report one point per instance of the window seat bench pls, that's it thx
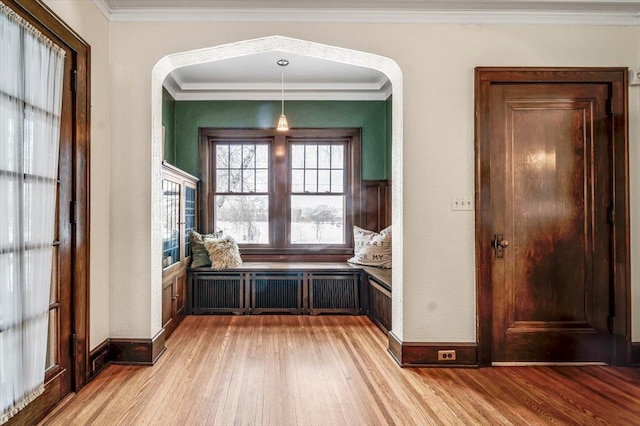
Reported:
(378, 296)
(286, 287)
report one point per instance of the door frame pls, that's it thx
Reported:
(616, 78)
(40, 16)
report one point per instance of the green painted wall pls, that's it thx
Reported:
(168, 121)
(389, 120)
(371, 116)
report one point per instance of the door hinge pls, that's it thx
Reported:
(610, 320)
(611, 216)
(610, 107)
(74, 81)
(73, 212)
(72, 345)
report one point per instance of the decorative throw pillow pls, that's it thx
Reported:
(372, 248)
(223, 252)
(199, 254)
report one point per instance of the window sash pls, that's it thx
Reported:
(280, 190)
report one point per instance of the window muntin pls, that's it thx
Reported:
(189, 218)
(242, 197)
(334, 174)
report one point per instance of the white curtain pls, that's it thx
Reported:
(31, 76)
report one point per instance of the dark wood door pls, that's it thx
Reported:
(67, 346)
(548, 215)
(59, 361)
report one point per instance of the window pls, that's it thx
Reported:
(282, 194)
(241, 202)
(317, 197)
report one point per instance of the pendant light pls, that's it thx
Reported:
(283, 126)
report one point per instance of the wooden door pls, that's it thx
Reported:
(547, 219)
(60, 350)
(67, 346)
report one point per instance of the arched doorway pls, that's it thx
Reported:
(300, 47)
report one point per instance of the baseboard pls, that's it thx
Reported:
(98, 359)
(419, 354)
(137, 351)
(635, 354)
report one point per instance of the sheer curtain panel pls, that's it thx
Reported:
(31, 78)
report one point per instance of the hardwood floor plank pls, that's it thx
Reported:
(335, 370)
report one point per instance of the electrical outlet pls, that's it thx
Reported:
(448, 355)
(461, 203)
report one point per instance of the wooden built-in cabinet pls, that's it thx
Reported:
(179, 217)
(378, 296)
(292, 287)
(272, 287)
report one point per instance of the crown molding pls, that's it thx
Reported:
(103, 8)
(256, 91)
(171, 86)
(276, 87)
(307, 95)
(387, 90)
(559, 17)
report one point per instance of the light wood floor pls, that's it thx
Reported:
(335, 370)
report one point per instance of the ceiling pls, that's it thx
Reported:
(258, 77)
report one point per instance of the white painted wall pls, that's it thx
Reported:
(437, 62)
(93, 27)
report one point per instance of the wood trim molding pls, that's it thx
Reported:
(279, 247)
(137, 351)
(423, 354)
(635, 354)
(376, 204)
(127, 352)
(98, 359)
(75, 129)
(617, 78)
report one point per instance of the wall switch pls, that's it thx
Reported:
(461, 203)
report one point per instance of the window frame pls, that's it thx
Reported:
(280, 248)
(347, 191)
(270, 186)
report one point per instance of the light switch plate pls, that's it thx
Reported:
(461, 203)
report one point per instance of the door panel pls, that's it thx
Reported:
(550, 182)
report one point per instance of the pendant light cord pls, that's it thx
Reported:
(282, 89)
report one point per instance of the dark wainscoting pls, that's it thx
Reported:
(126, 351)
(635, 354)
(137, 351)
(98, 359)
(412, 354)
(376, 200)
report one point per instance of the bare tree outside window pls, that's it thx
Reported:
(241, 203)
(317, 193)
(282, 195)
